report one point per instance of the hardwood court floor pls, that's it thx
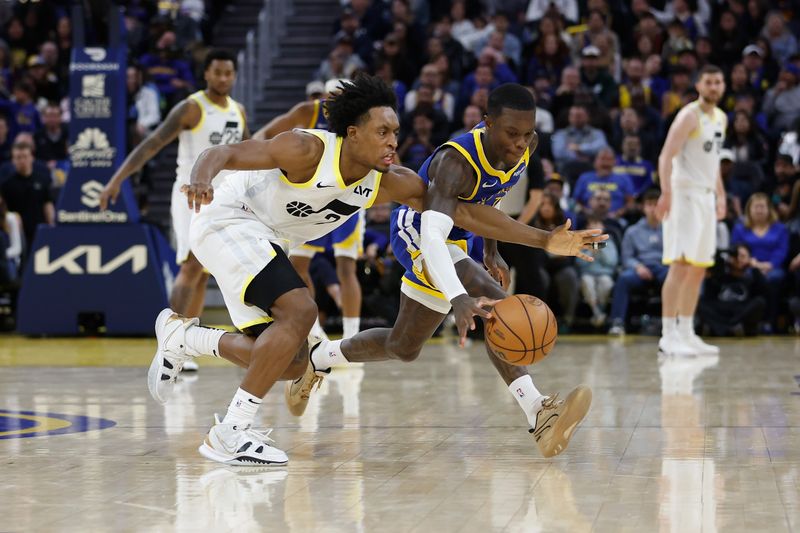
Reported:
(434, 446)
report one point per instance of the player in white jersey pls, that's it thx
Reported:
(346, 241)
(692, 200)
(315, 181)
(204, 119)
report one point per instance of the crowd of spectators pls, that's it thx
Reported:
(609, 77)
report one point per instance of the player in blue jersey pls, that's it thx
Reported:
(346, 241)
(480, 167)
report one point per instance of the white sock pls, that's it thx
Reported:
(328, 354)
(201, 340)
(528, 397)
(243, 408)
(317, 331)
(669, 325)
(686, 325)
(350, 326)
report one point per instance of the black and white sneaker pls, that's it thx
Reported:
(241, 446)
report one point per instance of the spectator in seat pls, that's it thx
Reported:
(597, 277)
(51, 141)
(630, 162)
(733, 300)
(28, 192)
(5, 141)
(579, 142)
(171, 74)
(144, 109)
(418, 146)
(642, 248)
(782, 102)
(781, 40)
(564, 98)
(470, 118)
(744, 139)
(768, 240)
(432, 77)
(599, 208)
(556, 274)
(549, 59)
(597, 79)
(425, 104)
(634, 82)
(603, 177)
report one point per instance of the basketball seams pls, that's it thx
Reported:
(497, 316)
(508, 354)
(530, 322)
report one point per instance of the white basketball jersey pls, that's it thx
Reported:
(301, 212)
(217, 125)
(697, 164)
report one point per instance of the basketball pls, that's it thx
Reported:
(522, 330)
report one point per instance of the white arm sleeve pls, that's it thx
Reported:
(439, 265)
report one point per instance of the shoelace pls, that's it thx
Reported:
(551, 402)
(259, 434)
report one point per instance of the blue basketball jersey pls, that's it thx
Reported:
(492, 184)
(318, 120)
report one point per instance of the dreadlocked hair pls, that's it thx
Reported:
(352, 104)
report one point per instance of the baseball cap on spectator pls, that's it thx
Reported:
(590, 51)
(752, 49)
(315, 88)
(334, 85)
(555, 178)
(726, 154)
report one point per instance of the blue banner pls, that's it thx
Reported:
(96, 137)
(121, 272)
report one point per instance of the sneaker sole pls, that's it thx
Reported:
(210, 453)
(157, 366)
(578, 403)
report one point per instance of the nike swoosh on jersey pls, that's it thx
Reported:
(487, 185)
(321, 186)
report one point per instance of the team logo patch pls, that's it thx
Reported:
(707, 146)
(25, 424)
(337, 209)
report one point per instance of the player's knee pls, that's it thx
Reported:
(304, 313)
(403, 350)
(345, 267)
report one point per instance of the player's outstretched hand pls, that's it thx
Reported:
(198, 194)
(565, 242)
(109, 194)
(465, 308)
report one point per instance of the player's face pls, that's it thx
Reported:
(510, 133)
(711, 87)
(220, 76)
(377, 138)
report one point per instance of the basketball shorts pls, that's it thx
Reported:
(405, 239)
(345, 241)
(235, 247)
(690, 229)
(182, 217)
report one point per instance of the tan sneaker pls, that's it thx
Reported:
(298, 392)
(557, 420)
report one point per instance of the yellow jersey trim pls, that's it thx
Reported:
(375, 191)
(468, 157)
(318, 249)
(306, 184)
(427, 290)
(314, 115)
(250, 324)
(704, 264)
(487, 167)
(200, 122)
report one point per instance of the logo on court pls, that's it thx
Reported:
(25, 424)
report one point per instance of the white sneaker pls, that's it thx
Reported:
(170, 355)
(674, 344)
(240, 446)
(700, 346)
(190, 366)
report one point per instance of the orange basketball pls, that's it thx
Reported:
(522, 330)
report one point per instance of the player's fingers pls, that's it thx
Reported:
(103, 201)
(461, 325)
(506, 278)
(184, 188)
(585, 257)
(484, 301)
(567, 224)
(481, 312)
(190, 198)
(209, 196)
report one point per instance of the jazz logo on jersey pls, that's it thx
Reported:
(339, 209)
(229, 135)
